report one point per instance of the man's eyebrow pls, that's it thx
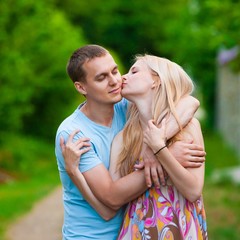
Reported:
(115, 67)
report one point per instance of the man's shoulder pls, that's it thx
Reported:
(70, 123)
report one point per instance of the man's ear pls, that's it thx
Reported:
(80, 88)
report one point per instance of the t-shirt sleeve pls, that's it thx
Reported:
(88, 160)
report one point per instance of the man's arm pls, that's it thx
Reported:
(188, 153)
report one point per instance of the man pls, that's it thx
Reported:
(95, 75)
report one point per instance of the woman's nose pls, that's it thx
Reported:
(124, 78)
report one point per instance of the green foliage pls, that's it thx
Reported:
(128, 27)
(37, 38)
(201, 29)
(21, 154)
(36, 43)
(188, 32)
(219, 154)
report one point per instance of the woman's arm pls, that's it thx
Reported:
(105, 212)
(185, 109)
(113, 194)
(189, 181)
(117, 191)
(188, 155)
(79, 180)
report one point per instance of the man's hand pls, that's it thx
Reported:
(72, 151)
(153, 169)
(188, 154)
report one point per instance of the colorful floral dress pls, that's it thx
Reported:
(164, 214)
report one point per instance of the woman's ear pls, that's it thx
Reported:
(153, 84)
(156, 82)
(80, 88)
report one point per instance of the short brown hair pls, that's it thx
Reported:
(79, 57)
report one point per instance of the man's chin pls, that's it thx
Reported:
(123, 94)
(118, 99)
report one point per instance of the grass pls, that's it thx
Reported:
(223, 210)
(32, 164)
(221, 198)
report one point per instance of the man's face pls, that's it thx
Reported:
(103, 80)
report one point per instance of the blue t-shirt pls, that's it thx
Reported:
(81, 221)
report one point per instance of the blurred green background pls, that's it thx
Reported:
(36, 40)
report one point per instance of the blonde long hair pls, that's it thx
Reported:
(172, 83)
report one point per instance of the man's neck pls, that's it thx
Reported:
(101, 115)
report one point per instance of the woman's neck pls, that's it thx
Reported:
(145, 111)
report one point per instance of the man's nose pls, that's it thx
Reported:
(113, 79)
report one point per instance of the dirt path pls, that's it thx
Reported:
(44, 222)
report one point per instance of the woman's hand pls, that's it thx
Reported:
(72, 151)
(155, 137)
(154, 172)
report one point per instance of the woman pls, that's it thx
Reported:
(175, 211)
(154, 86)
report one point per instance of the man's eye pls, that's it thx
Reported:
(101, 78)
(115, 72)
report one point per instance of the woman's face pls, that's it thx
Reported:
(138, 81)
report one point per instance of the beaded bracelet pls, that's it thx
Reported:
(160, 150)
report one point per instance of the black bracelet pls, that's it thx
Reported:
(160, 150)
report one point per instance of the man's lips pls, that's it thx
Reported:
(116, 90)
